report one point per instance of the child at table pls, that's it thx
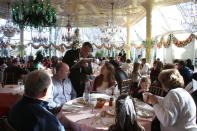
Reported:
(144, 86)
(126, 118)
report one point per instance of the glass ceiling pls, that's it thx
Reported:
(165, 20)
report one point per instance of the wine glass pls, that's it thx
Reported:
(20, 86)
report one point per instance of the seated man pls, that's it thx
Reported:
(62, 90)
(30, 113)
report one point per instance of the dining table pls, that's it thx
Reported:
(88, 118)
(9, 95)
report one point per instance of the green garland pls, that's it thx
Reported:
(34, 13)
(173, 39)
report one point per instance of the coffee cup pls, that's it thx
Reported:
(145, 96)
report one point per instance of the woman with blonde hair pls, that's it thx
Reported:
(177, 110)
(144, 86)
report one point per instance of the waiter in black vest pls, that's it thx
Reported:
(80, 66)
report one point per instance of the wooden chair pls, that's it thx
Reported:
(9, 78)
(125, 86)
(4, 125)
(7, 100)
(157, 91)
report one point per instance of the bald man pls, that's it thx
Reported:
(62, 90)
(31, 112)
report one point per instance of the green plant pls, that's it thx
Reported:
(100, 53)
(34, 13)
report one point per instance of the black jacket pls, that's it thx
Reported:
(78, 75)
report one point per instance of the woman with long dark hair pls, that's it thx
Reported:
(135, 75)
(126, 119)
(106, 79)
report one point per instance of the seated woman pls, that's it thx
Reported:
(106, 80)
(135, 75)
(144, 86)
(177, 110)
(126, 119)
(154, 73)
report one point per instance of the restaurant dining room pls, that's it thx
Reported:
(98, 65)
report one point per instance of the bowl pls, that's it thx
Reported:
(100, 103)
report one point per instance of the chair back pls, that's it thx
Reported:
(7, 100)
(125, 86)
(157, 91)
(9, 78)
(4, 125)
(120, 75)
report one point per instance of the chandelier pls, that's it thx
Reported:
(108, 32)
(68, 37)
(34, 13)
(9, 30)
(74, 39)
(189, 12)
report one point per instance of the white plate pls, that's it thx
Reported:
(145, 113)
(70, 108)
(99, 95)
(87, 59)
(80, 101)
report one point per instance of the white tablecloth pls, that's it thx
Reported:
(13, 89)
(92, 121)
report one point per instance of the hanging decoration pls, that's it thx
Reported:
(172, 39)
(109, 31)
(109, 47)
(39, 39)
(67, 37)
(72, 40)
(34, 13)
(9, 29)
(60, 47)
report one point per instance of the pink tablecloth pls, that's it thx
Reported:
(92, 121)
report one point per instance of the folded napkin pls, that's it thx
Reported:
(74, 117)
(98, 122)
(142, 105)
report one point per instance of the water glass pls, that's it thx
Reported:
(145, 96)
(92, 104)
(86, 97)
(20, 82)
